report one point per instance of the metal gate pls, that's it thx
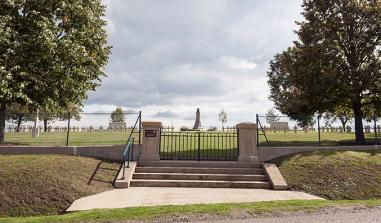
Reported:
(199, 145)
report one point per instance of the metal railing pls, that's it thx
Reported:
(199, 145)
(128, 154)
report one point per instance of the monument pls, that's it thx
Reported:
(197, 123)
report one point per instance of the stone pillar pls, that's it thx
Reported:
(247, 139)
(150, 141)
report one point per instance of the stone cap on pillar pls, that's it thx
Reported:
(246, 125)
(152, 124)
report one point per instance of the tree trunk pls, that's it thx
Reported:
(45, 125)
(359, 131)
(2, 123)
(343, 123)
(19, 121)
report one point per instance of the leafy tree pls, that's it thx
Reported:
(117, 115)
(223, 117)
(51, 53)
(59, 114)
(336, 60)
(341, 113)
(18, 114)
(271, 116)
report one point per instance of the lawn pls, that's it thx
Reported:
(48, 184)
(192, 145)
(334, 174)
(301, 138)
(192, 212)
(209, 140)
(75, 138)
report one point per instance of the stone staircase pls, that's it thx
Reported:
(199, 174)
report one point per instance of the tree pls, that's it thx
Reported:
(51, 53)
(18, 114)
(271, 116)
(336, 60)
(59, 114)
(117, 115)
(343, 114)
(223, 117)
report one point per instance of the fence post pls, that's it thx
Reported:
(68, 130)
(248, 152)
(150, 150)
(257, 122)
(375, 128)
(319, 130)
(140, 128)
(198, 148)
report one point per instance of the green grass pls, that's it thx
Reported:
(290, 138)
(75, 138)
(279, 138)
(334, 174)
(48, 184)
(220, 145)
(146, 213)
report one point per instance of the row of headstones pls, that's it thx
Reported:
(168, 129)
(295, 129)
(64, 129)
(229, 129)
(348, 129)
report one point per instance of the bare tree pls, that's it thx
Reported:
(223, 117)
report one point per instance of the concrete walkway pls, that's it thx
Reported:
(153, 196)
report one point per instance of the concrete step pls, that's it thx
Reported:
(202, 183)
(199, 170)
(215, 164)
(208, 177)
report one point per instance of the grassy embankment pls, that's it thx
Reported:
(333, 174)
(48, 184)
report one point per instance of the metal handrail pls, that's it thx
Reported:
(126, 154)
(130, 145)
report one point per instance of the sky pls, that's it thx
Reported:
(171, 57)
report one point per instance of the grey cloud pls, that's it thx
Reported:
(170, 49)
(165, 114)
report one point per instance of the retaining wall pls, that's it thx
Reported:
(115, 152)
(100, 152)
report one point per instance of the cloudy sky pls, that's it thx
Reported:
(170, 57)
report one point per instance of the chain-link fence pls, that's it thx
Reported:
(78, 129)
(312, 131)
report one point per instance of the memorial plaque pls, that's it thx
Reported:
(150, 133)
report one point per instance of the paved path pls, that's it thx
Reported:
(354, 216)
(153, 196)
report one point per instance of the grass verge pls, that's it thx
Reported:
(48, 184)
(147, 213)
(334, 175)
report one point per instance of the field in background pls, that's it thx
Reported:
(290, 138)
(75, 138)
(280, 138)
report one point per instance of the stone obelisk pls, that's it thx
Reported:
(197, 123)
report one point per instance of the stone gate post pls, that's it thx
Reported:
(247, 139)
(150, 141)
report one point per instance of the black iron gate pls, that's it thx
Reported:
(199, 145)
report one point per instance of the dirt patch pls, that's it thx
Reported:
(48, 184)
